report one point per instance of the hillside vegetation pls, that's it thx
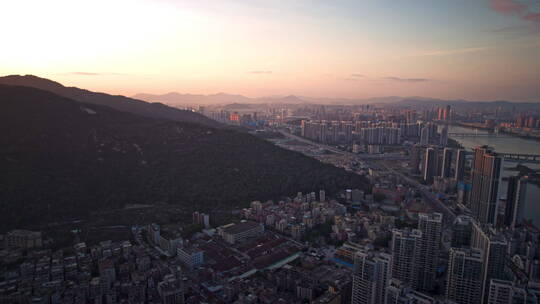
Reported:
(64, 159)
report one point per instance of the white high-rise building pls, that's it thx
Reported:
(424, 136)
(494, 247)
(404, 247)
(486, 177)
(427, 255)
(464, 283)
(370, 279)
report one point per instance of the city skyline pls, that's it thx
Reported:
(475, 50)
(363, 204)
(262, 151)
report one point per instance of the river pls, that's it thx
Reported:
(508, 145)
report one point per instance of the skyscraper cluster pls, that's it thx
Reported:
(375, 132)
(415, 252)
(478, 191)
(436, 163)
(411, 266)
(444, 114)
(523, 121)
(328, 131)
(479, 269)
(380, 136)
(428, 133)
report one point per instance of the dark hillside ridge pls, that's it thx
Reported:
(62, 159)
(121, 103)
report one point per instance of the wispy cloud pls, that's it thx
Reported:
(407, 80)
(455, 51)
(260, 72)
(512, 29)
(534, 17)
(519, 30)
(92, 74)
(84, 73)
(508, 7)
(354, 77)
(515, 8)
(505, 30)
(358, 77)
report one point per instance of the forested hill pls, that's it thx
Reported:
(121, 103)
(61, 159)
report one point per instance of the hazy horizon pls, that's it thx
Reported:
(257, 99)
(472, 50)
(262, 97)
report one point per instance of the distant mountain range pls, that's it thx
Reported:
(64, 159)
(121, 103)
(177, 99)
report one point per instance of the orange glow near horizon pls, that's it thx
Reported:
(260, 48)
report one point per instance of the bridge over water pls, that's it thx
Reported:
(460, 135)
(517, 157)
(521, 158)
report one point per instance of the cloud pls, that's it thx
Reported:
(455, 51)
(515, 8)
(85, 73)
(260, 72)
(409, 80)
(91, 74)
(534, 17)
(354, 77)
(508, 7)
(521, 30)
(512, 29)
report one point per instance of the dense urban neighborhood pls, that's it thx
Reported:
(430, 227)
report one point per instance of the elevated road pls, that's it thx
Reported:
(523, 158)
(312, 143)
(438, 205)
(517, 157)
(387, 156)
(428, 196)
(460, 135)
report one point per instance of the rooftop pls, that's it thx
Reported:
(240, 227)
(24, 233)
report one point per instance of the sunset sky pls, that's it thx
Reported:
(471, 49)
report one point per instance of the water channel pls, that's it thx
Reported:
(507, 144)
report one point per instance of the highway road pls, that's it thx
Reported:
(387, 156)
(431, 198)
(428, 196)
(312, 143)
